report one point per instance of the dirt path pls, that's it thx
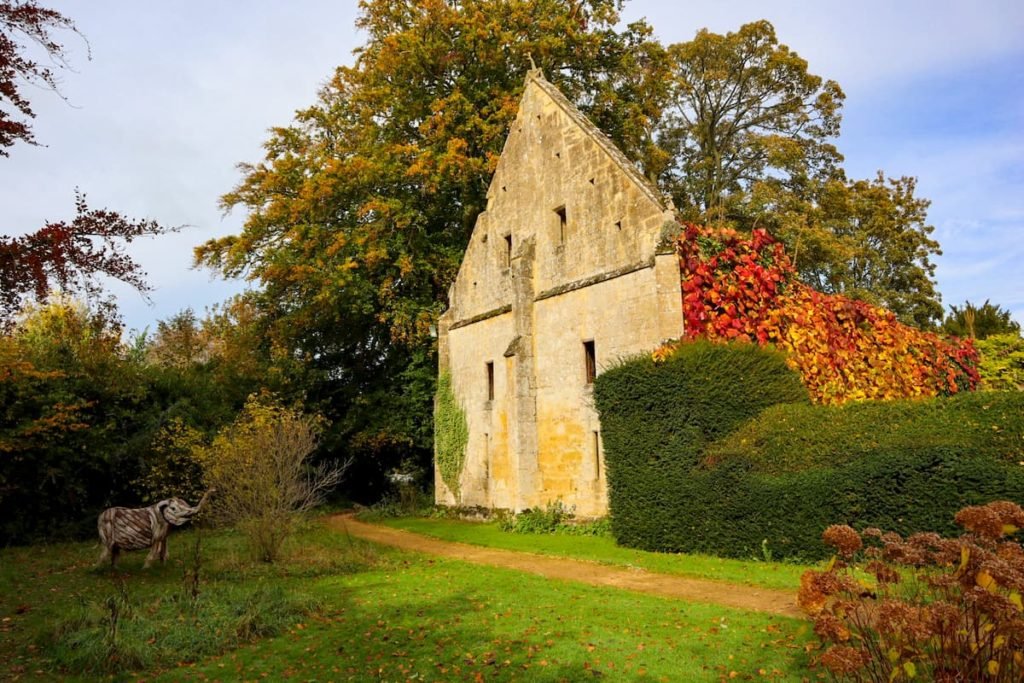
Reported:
(667, 585)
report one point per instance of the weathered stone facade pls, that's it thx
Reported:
(562, 276)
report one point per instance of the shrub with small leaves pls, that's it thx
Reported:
(1002, 362)
(173, 470)
(260, 466)
(553, 518)
(935, 609)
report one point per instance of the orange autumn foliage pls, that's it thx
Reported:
(743, 288)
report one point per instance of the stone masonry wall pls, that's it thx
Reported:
(566, 253)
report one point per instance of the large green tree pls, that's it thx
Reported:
(743, 109)
(979, 322)
(751, 134)
(867, 239)
(359, 213)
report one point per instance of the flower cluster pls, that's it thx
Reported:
(935, 608)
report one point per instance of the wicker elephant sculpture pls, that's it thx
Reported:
(138, 528)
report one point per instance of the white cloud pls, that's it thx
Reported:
(178, 93)
(859, 44)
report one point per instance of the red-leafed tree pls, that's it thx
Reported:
(23, 24)
(65, 254)
(71, 255)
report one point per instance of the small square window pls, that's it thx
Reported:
(590, 360)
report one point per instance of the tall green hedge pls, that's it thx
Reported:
(793, 438)
(656, 420)
(700, 461)
(731, 511)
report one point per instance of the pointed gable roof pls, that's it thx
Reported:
(536, 77)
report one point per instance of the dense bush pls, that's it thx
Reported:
(1002, 362)
(940, 609)
(732, 512)
(86, 422)
(74, 415)
(660, 421)
(657, 417)
(787, 438)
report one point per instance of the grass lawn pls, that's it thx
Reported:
(353, 612)
(602, 549)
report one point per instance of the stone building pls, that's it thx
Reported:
(562, 276)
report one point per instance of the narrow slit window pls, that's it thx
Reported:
(490, 381)
(590, 359)
(597, 455)
(508, 251)
(562, 221)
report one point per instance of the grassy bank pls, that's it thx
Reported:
(445, 620)
(603, 549)
(346, 611)
(58, 614)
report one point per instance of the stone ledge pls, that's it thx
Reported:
(595, 279)
(493, 313)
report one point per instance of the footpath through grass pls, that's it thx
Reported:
(354, 612)
(602, 549)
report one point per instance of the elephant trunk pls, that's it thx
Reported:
(202, 502)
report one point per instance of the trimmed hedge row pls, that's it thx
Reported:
(656, 419)
(733, 512)
(793, 438)
(659, 422)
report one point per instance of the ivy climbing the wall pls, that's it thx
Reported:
(451, 434)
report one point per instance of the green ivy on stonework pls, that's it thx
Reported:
(451, 434)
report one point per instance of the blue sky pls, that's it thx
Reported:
(178, 93)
